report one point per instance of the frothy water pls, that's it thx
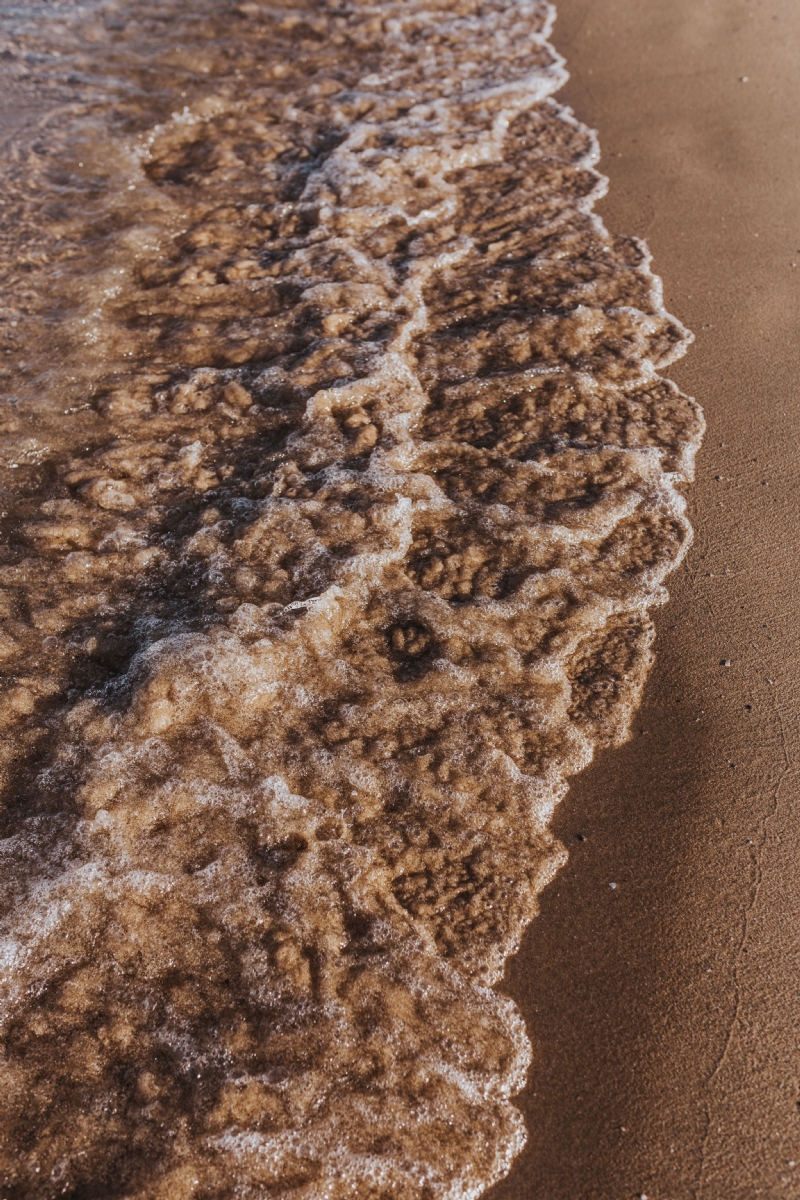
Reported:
(337, 481)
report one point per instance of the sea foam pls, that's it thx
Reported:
(336, 569)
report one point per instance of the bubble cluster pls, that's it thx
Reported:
(338, 568)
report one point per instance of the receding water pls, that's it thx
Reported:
(337, 481)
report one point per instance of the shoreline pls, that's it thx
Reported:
(662, 1012)
(303, 791)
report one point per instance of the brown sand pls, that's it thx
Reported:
(666, 1047)
(667, 1035)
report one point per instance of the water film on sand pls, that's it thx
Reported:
(338, 477)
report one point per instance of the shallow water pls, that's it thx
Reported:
(337, 481)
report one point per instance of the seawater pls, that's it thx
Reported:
(337, 480)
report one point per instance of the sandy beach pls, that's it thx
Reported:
(667, 1052)
(658, 983)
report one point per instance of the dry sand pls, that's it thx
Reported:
(664, 1012)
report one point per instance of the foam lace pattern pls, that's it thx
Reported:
(379, 519)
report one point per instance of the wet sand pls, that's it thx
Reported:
(338, 565)
(664, 1012)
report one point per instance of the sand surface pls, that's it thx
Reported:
(664, 1010)
(668, 1043)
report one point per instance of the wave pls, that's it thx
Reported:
(339, 571)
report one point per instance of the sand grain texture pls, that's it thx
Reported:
(668, 1058)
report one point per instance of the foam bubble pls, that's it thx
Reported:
(338, 572)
